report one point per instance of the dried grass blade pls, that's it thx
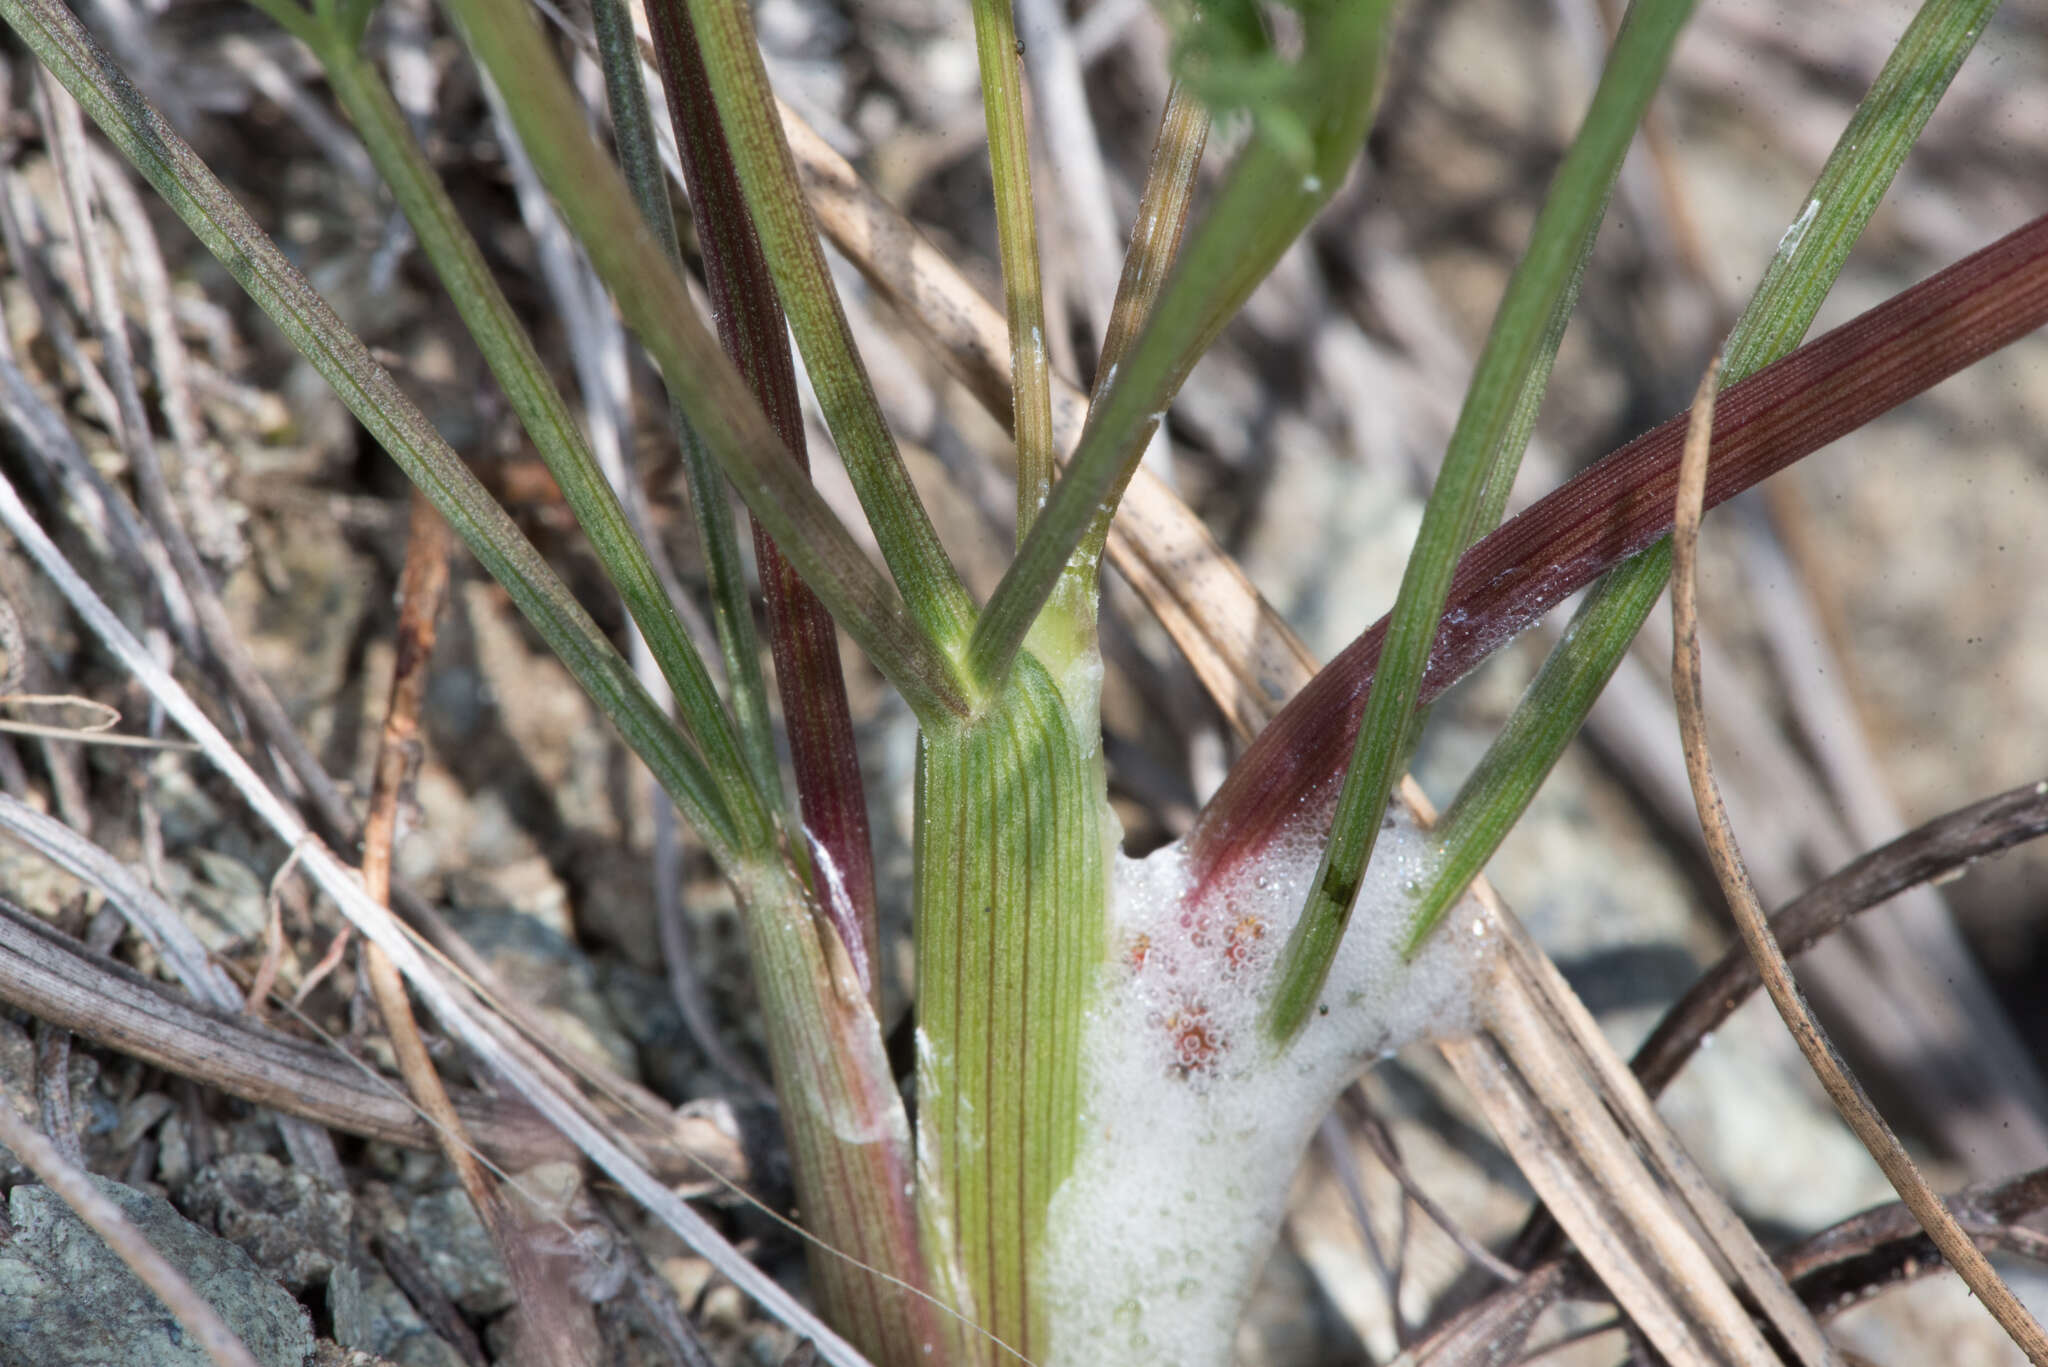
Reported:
(1834, 1075)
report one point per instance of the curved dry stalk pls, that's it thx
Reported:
(1922, 855)
(107, 1220)
(1844, 1264)
(1834, 1075)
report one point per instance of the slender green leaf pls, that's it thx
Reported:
(753, 333)
(1272, 192)
(1162, 217)
(732, 614)
(753, 128)
(1620, 506)
(1549, 714)
(510, 353)
(1479, 465)
(508, 43)
(1009, 155)
(1865, 160)
(227, 231)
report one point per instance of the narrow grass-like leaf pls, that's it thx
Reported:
(789, 237)
(732, 613)
(1162, 217)
(232, 236)
(1857, 173)
(510, 353)
(807, 669)
(1009, 155)
(1613, 510)
(1810, 256)
(508, 43)
(1485, 449)
(1548, 715)
(1270, 195)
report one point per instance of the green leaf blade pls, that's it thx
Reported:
(1810, 256)
(1471, 489)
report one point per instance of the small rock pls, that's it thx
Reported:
(67, 1301)
(294, 1225)
(371, 1315)
(442, 1226)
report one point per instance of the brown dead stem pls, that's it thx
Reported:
(548, 1309)
(1834, 1075)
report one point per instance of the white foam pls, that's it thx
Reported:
(1192, 1124)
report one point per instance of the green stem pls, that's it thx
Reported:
(510, 353)
(1009, 157)
(260, 268)
(1851, 184)
(593, 196)
(1155, 237)
(751, 329)
(1011, 901)
(1269, 197)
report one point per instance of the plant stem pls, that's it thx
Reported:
(1162, 217)
(1009, 154)
(1011, 906)
(1269, 198)
(1809, 258)
(593, 196)
(498, 333)
(937, 599)
(751, 330)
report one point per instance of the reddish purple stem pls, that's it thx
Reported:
(808, 677)
(1825, 390)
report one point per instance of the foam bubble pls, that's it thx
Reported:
(1192, 1123)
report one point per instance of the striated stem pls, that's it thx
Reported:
(1013, 840)
(1009, 155)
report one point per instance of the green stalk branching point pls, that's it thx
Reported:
(1268, 198)
(1809, 258)
(1484, 451)
(937, 599)
(227, 231)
